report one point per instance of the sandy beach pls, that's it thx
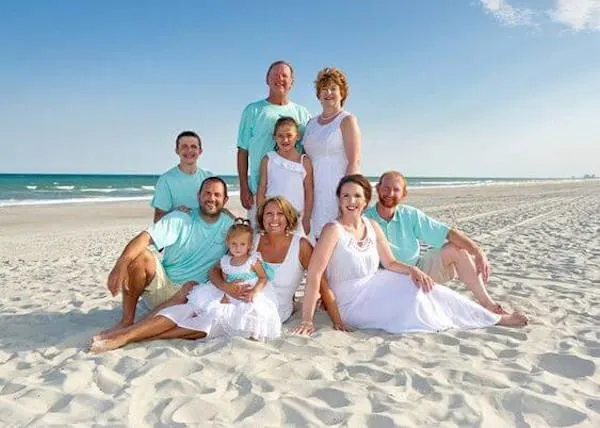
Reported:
(543, 242)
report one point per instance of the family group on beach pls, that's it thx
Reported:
(204, 273)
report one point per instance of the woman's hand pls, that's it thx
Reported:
(305, 328)
(421, 279)
(238, 290)
(340, 326)
(183, 209)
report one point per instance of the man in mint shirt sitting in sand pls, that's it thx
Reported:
(454, 254)
(192, 244)
(177, 188)
(255, 136)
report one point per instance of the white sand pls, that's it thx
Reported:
(544, 245)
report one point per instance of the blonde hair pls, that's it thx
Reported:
(332, 75)
(240, 226)
(289, 212)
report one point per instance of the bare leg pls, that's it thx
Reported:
(141, 272)
(180, 333)
(467, 273)
(142, 331)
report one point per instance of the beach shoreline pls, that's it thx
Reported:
(542, 242)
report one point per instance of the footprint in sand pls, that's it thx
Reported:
(569, 366)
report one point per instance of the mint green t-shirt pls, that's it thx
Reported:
(191, 245)
(255, 134)
(175, 188)
(409, 226)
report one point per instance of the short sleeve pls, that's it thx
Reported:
(429, 230)
(166, 231)
(162, 195)
(245, 129)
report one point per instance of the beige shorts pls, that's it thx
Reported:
(161, 288)
(432, 264)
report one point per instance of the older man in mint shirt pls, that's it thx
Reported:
(193, 243)
(454, 254)
(255, 136)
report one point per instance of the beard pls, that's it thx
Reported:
(389, 202)
(210, 212)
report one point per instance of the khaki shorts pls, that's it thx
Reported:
(161, 288)
(432, 264)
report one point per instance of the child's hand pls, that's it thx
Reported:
(187, 287)
(252, 294)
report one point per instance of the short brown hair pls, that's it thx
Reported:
(280, 62)
(290, 213)
(359, 179)
(188, 134)
(394, 174)
(332, 75)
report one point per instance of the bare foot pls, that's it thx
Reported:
(109, 334)
(496, 308)
(516, 319)
(118, 326)
(102, 345)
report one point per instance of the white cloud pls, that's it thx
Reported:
(508, 14)
(577, 14)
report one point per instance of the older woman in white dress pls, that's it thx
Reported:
(332, 140)
(399, 298)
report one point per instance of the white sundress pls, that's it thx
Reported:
(205, 312)
(286, 178)
(370, 297)
(324, 145)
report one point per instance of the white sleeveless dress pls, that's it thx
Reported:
(325, 147)
(286, 278)
(286, 178)
(204, 311)
(370, 297)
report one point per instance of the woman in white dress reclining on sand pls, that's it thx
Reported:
(399, 298)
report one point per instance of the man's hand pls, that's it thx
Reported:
(238, 290)
(246, 197)
(483, 266)
(118, 279)
(421, 279)
(183, 209)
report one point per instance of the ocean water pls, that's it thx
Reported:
(41, 189)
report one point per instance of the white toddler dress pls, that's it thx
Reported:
(204, 311)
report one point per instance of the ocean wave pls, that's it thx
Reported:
(112, 189)
(64, 187)
(149, 188)
(31, 187)
(28, 202)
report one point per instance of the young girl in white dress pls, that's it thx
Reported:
(399, 298)
(209, 312)
(285, 172)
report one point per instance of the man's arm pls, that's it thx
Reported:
(463, 242)
(158, 214)
(118, 278)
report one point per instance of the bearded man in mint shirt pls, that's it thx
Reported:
(193, 243)
(453, 255)
(255, 136)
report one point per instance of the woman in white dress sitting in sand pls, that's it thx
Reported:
(332, 140)
(399, 298)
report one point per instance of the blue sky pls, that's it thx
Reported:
(440, 88)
